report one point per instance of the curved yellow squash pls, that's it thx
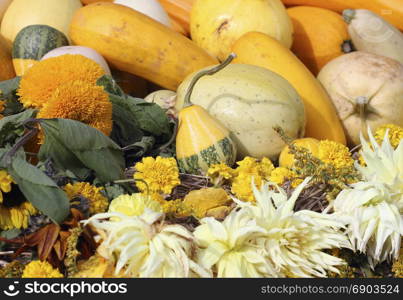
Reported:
(135, 43)
(261, 50)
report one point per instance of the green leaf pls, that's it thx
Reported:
(9, 87)
(12, 126)
(89, 146)
(40, 190)
(142, 147)
(110, 85)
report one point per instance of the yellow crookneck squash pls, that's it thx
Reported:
(259, 49)
(202, 140)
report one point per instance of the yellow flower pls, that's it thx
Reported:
(395, 134)
(248, 169)
(80, 101)
(133, 205)
(39, 83)
(2, 107)
(220, 171)
(5, 183)
(280, 175)
(40, 269)
(160, 174)
(176, 208)
(335, 153)
(98, 203)
(14, 213)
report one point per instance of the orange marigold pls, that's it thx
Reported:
(41, 80)
(80, 101)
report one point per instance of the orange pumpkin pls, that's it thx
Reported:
(320, 35)
(85, 2)
(390, 10)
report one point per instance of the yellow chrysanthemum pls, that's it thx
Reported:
(335, 153)
(13, 212)
(98, 203)
(39, 82)
(280, 175)
(160, 174)
(133, 205)
(395, 134)
(81, 101)
(250, 169)
(40, 269)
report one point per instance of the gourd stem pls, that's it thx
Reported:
(205, 73)
(362, 103)
(348, 15)
(347, 46)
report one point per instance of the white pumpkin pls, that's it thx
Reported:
(249, 101)
(366, 89)
(151, 8)
(84, 51)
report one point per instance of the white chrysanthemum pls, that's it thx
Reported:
(295, 241)
(230, 248)
(144, 247)
(375, 224)
(384, 165)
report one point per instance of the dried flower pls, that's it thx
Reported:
(70, 261)
(160, 174)
(295, 241)
(280, 175)
(40, 269)
(98, 203)
(40, 82)
(145, 247)
(230, 248)
(80, 101)
(397, 267)
(134, 205)
(374, 223)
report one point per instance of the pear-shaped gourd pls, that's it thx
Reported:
(202, 140)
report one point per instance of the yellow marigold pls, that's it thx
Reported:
(39, 82)
(134, 205)
(81, 101)
(335, 153)
(160, 174)
(247, 169)
(280, 175)
(98, 203)
(395, 134)
(220, 170)
(40, 269)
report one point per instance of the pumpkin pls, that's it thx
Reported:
(7, 68)
(137, 44)
(202, 141)
(286, 159)
(391, 10)
(151, 8)
(32, 43)
(367, 91)
(85, 2)
(85, 51)
(249, 101)
(179, 11)
(371, 33)
(261, 50)
(320, 35)
(216, 25)
(22, 13)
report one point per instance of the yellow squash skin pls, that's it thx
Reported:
(6, 63)
(216, 24)
(135, 43)
(261, 50)
(21, 13)
(199, 131)
(286, 159)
